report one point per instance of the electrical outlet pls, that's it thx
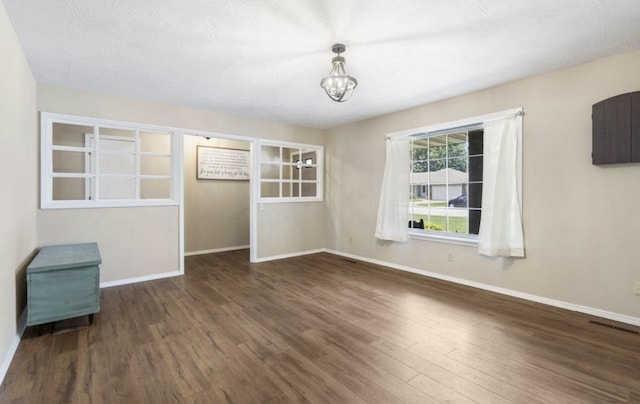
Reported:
(450, 257)
(636, 290)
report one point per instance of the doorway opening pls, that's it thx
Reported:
(217, 193)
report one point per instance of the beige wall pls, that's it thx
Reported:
(290, 227)
(216, 212)
(133, 242)
(581, 222)
(18, 179)
(159, 225)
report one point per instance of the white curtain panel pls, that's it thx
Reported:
(501, 224)
(393, 209)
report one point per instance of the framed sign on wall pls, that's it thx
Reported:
(218, 163)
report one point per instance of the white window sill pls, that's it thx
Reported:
(448, 238)
(288, 200)
(82, 204)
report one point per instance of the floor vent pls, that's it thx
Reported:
(615, 327)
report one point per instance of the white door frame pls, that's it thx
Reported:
(253, 180)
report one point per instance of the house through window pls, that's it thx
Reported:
(446, 181)
(458, 182)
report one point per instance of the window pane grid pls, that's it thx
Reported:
(446, 182)
(289, 172)
(111, 166)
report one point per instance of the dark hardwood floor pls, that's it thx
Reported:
(322, 329)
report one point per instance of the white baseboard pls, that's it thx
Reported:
(6, 362)
(216, 250)
(290, 255)
(623, 318)
(139, 279)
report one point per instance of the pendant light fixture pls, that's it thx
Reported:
(338, 84)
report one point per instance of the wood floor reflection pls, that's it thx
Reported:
(322, 329)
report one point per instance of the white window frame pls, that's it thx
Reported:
(319, 165)
(47, 119)
(453, 238)
(469, 239)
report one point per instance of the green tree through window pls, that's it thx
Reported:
(446, 181)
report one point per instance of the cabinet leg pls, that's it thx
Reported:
(90, 319)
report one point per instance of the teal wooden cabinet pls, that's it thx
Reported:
(63, 281)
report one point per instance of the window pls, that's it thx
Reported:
(459, 182)
(290, 172)
(446, 182)
(94, 163)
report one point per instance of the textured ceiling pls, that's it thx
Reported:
(264, 59)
